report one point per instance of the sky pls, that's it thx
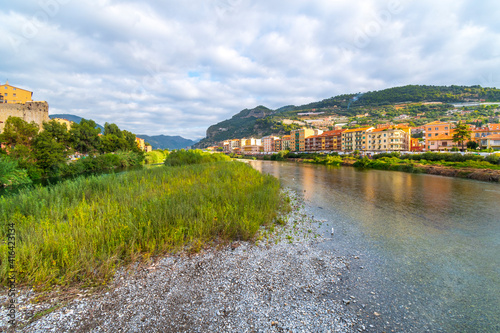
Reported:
(177, 67)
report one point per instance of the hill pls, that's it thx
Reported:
(72, 118)
(262, 121)
(166, 141)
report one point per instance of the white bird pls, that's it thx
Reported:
(333, 231)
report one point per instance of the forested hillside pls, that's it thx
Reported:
(262, 121)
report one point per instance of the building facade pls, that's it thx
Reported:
(269, 143)
(13, 94)
(298, 138)
(285, 142)
(437, 129)
(388, 139)
(355, 139)
(327, 141)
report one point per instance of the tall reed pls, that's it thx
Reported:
(80, 231)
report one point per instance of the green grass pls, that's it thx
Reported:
(80, 231)
(184, 157)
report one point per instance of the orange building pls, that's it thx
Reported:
(330, 140)
(494, 127)
(416, 145)
(440, 142)
(437, 129)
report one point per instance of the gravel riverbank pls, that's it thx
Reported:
(282, 283)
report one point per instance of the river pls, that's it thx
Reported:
(424, 249)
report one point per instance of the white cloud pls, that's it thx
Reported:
(176, 68)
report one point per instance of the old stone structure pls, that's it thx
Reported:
(29, 111)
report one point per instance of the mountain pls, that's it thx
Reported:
(72, 118)
(262, 121)
(167, 142)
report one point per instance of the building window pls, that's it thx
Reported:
(436, 134)
(429, 135)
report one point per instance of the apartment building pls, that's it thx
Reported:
(298, 138)
(231, 145)
(285, 142)
(329, 141)
(388, 139)
(437, 129)
(250, 142)
(355, 139)
(269, 143)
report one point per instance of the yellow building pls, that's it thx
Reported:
(64, 122)
(355, 139)
(388, 139)
(140, 143)
(285, 142)
(13, 94)
(298, 138)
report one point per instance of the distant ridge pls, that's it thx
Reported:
(167, 141)
(156, 141)
(73, 118)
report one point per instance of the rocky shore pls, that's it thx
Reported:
(284, 282)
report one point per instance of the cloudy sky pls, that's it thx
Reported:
(177, 67)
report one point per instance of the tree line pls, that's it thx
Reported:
(45, 153)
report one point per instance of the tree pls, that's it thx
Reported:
(112, 129)
(57, 131)
(472, 144)
(462, 133)
(18, 137)
(49, 153)
(85, 136)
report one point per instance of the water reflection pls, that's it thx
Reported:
(432, 242)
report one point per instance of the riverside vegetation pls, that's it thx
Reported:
(471, 165)
(80, 231)
(30, 154)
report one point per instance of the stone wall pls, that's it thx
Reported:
(29, 111)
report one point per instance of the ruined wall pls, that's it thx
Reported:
(29, 111)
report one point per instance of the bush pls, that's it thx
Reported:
(493, 158)
(11, 174)
(186, 157)
(155, 157)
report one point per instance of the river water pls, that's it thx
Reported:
(428, 246)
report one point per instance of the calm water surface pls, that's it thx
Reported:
(428, 246)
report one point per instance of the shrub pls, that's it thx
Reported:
(186, 157)
(11, 174)
(493, 158)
